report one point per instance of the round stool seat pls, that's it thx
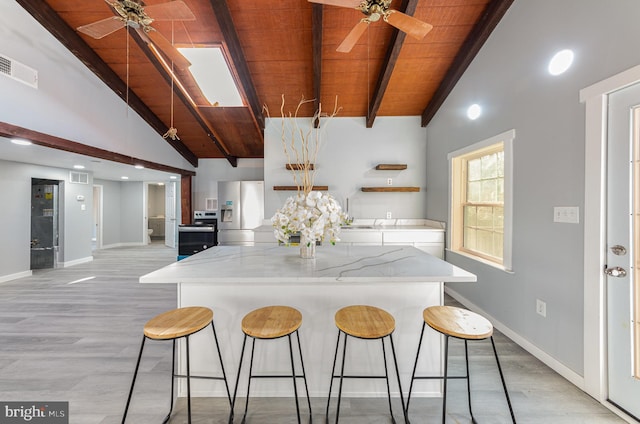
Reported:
(457, 322)
(365, 322)
(178, 322)
(271, 322)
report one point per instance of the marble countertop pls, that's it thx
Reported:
(282, 265)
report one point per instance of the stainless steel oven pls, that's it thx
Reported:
(201, 235)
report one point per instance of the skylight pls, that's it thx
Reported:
(210, 70)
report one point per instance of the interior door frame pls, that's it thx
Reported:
(595, 98)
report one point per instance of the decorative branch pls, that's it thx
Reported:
(300, 144)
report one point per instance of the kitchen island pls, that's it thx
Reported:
(233, 280)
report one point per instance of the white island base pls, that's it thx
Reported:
(233, 281)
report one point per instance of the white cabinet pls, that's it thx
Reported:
(361, 237)
(430, 241)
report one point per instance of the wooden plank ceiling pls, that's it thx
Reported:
(277, 48)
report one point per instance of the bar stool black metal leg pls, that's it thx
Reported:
(246, 404)
(188, 383)
(386, 378)
(224, 375)
(135, 374)
(173, 379)
(304, 376)
(504, 385)
(415, 366)
(468, 378)
(333, 373)
(235, 390)
(293, 376)
(344, 353)
(395, 361)
(444, 388)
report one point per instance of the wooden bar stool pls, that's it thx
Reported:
(369, 323)
(268, 323)
(461, 324)
(173, 325)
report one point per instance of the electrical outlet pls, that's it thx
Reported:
(389, 181)
(388, 215)
(541, 307)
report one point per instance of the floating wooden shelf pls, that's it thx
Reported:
(391, 167)
(390, 189)
(295, 188)
(299, 166)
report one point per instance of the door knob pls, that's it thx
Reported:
(616, 271)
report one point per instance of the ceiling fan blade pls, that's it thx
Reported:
(165, 47)
(171, 11)
(353, 36)
(340, 3)
(405, 23)
(102, 28)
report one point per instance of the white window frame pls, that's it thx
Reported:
(506, 138)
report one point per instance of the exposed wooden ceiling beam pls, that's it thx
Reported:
(316, 28)
(45, 15)
(390, 60)
(53, 142)
(191, 107)
(470, 48)
(230, 36)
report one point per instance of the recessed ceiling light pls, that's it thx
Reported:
(78, 166)
(560, 62)
(124, 177)
(160, 184)
(474, 111)
(21, 142)
(173, 177)
(139, 167)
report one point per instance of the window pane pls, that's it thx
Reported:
(489, 166)
(500, 189)
(470, 216)
(474, 191)
(470, 238)
(485, 218)
(484, 242)
(489, 191)
(498, 218)
(474, 170)
(498, 242)
(501, 164)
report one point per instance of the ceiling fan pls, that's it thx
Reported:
(132, 14)
(374, 10)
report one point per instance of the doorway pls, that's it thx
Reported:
(156, 213)
(623, 250)
(44, 223)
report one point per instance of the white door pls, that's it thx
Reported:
(170, 206)
(623, 249)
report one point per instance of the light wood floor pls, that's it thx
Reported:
(67, 340)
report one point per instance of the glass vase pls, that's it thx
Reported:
(307, 248)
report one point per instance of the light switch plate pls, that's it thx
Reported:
(566, 214)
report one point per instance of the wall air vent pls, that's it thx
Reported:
(18, 71)
(211, 204)
(78, 177)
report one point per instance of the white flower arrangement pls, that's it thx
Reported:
(316, 216)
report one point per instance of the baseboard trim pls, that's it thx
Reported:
(76, 262)
(547, 359)
(130, 244)
(10, 277)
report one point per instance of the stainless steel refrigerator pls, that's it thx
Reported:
(241, 205)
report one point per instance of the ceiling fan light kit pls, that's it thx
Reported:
(134, 15)
(374, 10)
